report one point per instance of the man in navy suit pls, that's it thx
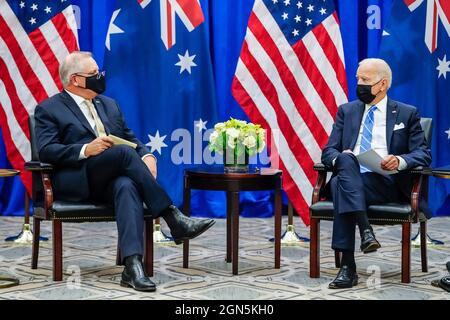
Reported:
(72, 130)
(390, 128)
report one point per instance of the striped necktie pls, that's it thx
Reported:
(99, 128)
(366, 138)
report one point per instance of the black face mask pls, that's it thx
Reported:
(96, 82)
(364, 92)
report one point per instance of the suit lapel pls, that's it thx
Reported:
(70, 103)
(391, 119)
(356, 123)
(99, 106)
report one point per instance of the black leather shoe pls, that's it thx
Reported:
(133, 276)
(448, 266)
(444, 283)
(368, 242)
(185, 228)
(345, 278)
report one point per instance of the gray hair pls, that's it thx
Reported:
(73, 63)
(383, 71)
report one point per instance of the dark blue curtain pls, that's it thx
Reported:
(361, 26)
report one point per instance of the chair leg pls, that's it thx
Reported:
(314, 249)
(36, 236)
(406, 252)
(337, 258)
(57, 250)
(148, 255)
(423, 246)
(118, 256)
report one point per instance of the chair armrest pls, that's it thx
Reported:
(320, 182)
(38, 166)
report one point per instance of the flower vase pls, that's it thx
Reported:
(235, 160)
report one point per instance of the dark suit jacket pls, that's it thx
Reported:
(62, 130)
(408, 143)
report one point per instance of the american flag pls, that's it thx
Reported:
(35, 36)
(291, 79)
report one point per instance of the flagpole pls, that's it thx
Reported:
(26, 235)
(290, 237)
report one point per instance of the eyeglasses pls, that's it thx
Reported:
(98, 75)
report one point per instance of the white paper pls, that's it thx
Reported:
(372, 161)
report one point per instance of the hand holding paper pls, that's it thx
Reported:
(372, 161)
(118, 140)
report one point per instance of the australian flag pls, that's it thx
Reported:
(416, 44)
(158, 68)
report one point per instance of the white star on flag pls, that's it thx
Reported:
(310, 8)
(323, 11)
(299, 4)
(32, 21)
(22, 4)
(48, 9)
(34, 7)
(112, 29)
(298, 18)
(156, 142)
(443, 67)
(186, 62)
(287, 2)
(201, 125)
(284, 15)
(308, 22)
(295, 33)
(448, 133)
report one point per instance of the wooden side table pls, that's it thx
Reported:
(215, 179)
(10, 282)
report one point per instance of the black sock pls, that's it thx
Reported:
(348, 259)
(362, 220)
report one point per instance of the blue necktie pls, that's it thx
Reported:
(366, 138)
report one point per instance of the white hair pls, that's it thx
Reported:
(383, 71)
(73, 63)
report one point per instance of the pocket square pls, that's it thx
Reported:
(399, 126)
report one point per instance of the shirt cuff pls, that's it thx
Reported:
(82, 155)
(149, 155)
(402, 165)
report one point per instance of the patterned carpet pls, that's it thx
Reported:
(90, 271)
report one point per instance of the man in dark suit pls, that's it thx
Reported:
(72, 130)
(390, 128)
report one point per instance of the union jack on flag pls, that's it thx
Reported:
(437, 10)
(189, 11)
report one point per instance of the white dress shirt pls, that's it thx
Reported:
(85, 110)
(379, 141)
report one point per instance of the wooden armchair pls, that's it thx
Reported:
(386, 214)
(45, 207)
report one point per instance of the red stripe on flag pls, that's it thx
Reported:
(288, 79)
(289, 186)
(409, 2)
(435, 22)
(46, 54)
(169, 25)
(269, 91)
(65, 32)
(28, 75)
(20, 112)
(193, 11)
(332, 54)
(445, 5)
(317, 79)
(12, 153)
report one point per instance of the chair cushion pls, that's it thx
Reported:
(389, 213)
(85, 211)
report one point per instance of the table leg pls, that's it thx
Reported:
(277, 228)
(229, 217)
(186, 211)
(235, 230)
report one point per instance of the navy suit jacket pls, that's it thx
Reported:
(408, 143)
(62, 130)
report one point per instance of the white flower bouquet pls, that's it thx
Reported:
(237, 139)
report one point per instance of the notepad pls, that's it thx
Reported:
(118, 140)
(372, 161)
